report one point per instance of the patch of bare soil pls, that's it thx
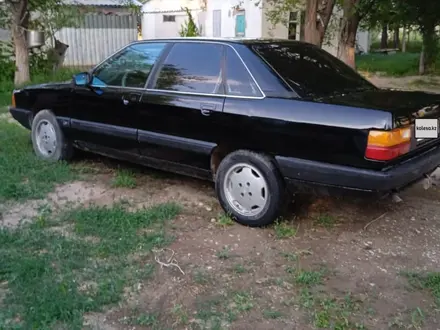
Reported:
(364, 262)
(97, 191)
(420, 83)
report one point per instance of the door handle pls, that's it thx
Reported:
(130, 98)
(206, 109)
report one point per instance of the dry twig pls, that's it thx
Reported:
(171, 262)
(378, 218)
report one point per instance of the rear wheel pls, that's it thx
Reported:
(250, 188)
(48, 139)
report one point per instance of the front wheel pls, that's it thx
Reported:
(48, 139)
(250, 188)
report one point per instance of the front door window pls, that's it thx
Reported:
(130, 67)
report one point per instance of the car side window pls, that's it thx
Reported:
(192, 67)
(130, 67)
(238, 80)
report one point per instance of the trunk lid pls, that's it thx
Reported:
(404, 106)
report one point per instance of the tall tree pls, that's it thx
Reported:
(18, 19)
(425, 15)
(51, 16)
(353, 11)
(189, 28)
(384, 37)
(317, 18)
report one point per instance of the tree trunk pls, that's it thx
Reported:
(384, 39)
(315, 27)
(311, 32)
(19, 24)
(422, 62)
(397, 38)
(348, 31)
(22, 73)
(430, 49)
(404, 40)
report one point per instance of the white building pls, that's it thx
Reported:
(229, 18)
(164, 18)
(232, 18)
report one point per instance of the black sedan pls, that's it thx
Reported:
(261, 118)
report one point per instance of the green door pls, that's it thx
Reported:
(240, 25)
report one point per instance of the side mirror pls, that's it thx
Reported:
(82, 79)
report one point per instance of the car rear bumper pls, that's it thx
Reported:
(23, 116)
(303, 173)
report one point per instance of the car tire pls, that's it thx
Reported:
(250, 188)
(48, 140)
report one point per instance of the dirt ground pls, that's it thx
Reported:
(360, 258)
(429, 84)
(332, 263)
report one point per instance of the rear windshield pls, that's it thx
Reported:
(311, 71)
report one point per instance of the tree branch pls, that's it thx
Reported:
(365, 10)
(325, 11)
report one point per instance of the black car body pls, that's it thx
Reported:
(185, 104)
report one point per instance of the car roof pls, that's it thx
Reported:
(240, 40)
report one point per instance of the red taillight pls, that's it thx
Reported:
(387, 145)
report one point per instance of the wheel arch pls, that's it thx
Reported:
(222, 150)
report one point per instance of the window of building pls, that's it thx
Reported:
(169, 18)
(293, 25)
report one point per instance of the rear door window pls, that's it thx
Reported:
(192, 68)
(238, 80)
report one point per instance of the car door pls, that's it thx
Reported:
(104, 115)
(183, 104)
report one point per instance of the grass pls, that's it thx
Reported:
(201, 277)
(243, 301)
(53, 279)
(272, 314)
(124, 179)
(408, 319)
(225, 220)
(284, 230)
(239, 269)
(309, 278)
(412, 46)
(429, 281)
(22, 175)
(180, 314)
(328, 312)
(324, 310)
(118, 230)
(142, 319)
(217, 312)
(399, 64)
(224, 253)
(326, 220)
